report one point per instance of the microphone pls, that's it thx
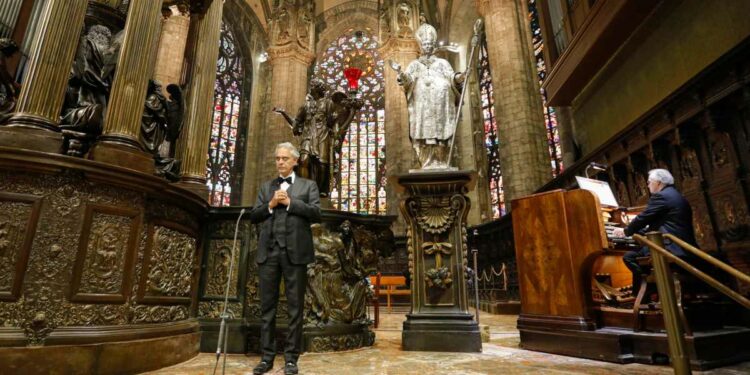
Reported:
(223, 334)
(595, 166)
(599, 166)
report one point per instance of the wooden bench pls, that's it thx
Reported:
(388, 285)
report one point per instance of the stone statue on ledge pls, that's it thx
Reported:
(433, 91)
(321, 124)
(161, 125)
(9, 88)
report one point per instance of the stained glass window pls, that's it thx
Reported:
(491, 141)
(224, 153)
(360, 169)
(550, 117)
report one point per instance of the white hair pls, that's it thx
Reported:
(661, 175)
(290, 147)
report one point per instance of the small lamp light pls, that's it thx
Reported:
(352, 75)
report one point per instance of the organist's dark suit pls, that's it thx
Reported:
(284, 250)
(668, 212)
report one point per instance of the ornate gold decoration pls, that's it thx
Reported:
(171, 263)
(435, 214)
(689, 164)
(217, 268)
(341, 342)
(156, 314)
(439, 277)
(410, 248)
(66, 199)
(465, 246)
(641, 190)
(438, 249)
(104, 266)
(213, 309)
(733, 218)
(44, 305)
(14, 217)
(719, 152)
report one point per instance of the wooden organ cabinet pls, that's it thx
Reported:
(576, 295)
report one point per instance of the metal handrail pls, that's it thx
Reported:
(696, 272)
(708, 258)
(678, 352)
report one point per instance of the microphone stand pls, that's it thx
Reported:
(224, 327)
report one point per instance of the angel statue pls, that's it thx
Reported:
(321, 125)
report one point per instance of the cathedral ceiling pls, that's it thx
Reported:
(438, 12)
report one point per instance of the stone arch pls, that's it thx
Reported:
(337, 20)
(251, 40)
(250, 34)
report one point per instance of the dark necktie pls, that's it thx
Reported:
(282, 179)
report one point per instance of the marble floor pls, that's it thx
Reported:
(500, 356)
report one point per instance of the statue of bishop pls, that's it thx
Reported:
(432, 91)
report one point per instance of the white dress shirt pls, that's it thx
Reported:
(284, 186)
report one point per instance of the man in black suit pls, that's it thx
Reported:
(668, 212)
(286, 207)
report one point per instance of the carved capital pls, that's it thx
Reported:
(293, 24)
(394, 45)
(191, 6)
(282, 54)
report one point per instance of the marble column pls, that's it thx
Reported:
(119, 143)
(171, 53)
(399, 155)
(192, 147)
(35, 123)
(518, 105)
(566, 132)
(289, 57)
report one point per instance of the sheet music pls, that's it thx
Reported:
(600, 188)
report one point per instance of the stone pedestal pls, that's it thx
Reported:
(434, 206)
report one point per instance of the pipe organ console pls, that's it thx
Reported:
(576, 293)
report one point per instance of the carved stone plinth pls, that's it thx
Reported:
(434, 206)
(31, 138)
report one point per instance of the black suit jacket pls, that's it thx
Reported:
(668, 212)
(304, 209)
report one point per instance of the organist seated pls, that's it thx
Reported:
(668, 212)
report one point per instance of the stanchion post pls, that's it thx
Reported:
(476, 283)
(675, 331)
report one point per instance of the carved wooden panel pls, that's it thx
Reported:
(731, 214)
(103, 268)
(215, 264)
(19, 216)
(169, 261)
(216, 273)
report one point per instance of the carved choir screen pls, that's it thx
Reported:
(550, 116)
(360, 168)
(491, 139)
(225, 148)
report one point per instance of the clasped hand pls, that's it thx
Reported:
(279, 197)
